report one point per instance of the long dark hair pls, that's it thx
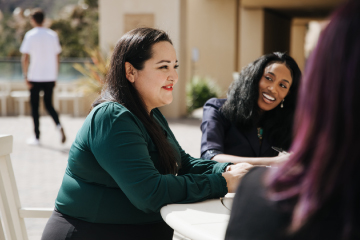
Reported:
(135, 47)
(241, 105)
(326, 155)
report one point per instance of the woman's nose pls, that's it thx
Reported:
(173, 76)
(271, 88)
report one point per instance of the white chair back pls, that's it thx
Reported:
(12, 214)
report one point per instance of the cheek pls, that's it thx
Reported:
(283, 94)
(262, 84)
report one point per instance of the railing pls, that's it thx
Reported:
(10, 69)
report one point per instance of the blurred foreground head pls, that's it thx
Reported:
(326, 159)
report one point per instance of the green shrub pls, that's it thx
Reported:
(94, 73)
(199, 90)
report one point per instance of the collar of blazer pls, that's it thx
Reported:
(251, 135)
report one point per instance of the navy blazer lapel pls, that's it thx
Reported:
(251, 135)
(265, 144)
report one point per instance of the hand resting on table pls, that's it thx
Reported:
(234, 175)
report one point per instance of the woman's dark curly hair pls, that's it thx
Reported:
(241, 106)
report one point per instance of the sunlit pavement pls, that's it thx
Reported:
(39, 169)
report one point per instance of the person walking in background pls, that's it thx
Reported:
(40, 63)
(316, 193)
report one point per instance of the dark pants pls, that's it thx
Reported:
(64, 227)
(47, 87)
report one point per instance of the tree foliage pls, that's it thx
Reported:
(77, 32)
(76, 25)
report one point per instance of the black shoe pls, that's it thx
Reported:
(63, 137)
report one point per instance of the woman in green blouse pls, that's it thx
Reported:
(125, 163)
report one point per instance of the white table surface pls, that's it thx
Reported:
(205, 220)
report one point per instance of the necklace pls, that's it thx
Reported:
(260, 133)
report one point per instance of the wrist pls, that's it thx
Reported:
(226, 175)
(266, 161)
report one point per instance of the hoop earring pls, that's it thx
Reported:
(282, 103)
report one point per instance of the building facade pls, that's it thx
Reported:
(214, 38)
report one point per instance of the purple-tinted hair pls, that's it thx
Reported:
(326, 148)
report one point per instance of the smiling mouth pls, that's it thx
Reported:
(168, 88)
(268, 98)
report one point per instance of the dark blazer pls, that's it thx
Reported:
(255, 217)
(218, 133)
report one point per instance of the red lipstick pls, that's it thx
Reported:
(168, 87)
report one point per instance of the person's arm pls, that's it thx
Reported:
(262, 161)
(120, 144)
(58, 66)
(57, 49)
(191, 165)
(25, 60)
(213, 127)
(234, 175)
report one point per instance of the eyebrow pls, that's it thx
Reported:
(166, 61)
(275, 76)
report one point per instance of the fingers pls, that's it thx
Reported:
(245, 166)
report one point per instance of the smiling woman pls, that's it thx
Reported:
(256, 116)
(274, 86)
(156, 80)
(125, 163)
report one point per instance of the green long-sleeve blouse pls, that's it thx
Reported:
(112, 174)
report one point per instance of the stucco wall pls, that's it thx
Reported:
(167, 16)
(251, 35)
(212, 30)
(111, 22)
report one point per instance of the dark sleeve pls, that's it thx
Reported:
(190, 164)
(253, 216)
(193, 165)
(120, 146)
(209, 154)
(213, 127)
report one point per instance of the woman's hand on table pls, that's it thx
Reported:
(282, 157)
(235, 174)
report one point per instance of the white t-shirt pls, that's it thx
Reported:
(42, 44)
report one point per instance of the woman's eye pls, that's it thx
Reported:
(176, 66)
(282, 85)
(164, 67)
(268, 78)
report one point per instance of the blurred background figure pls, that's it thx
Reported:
(40, 64)
(316, 194)
(257, 114)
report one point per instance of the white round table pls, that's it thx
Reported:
(205, 220)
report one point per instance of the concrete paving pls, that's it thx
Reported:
(39, 169)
